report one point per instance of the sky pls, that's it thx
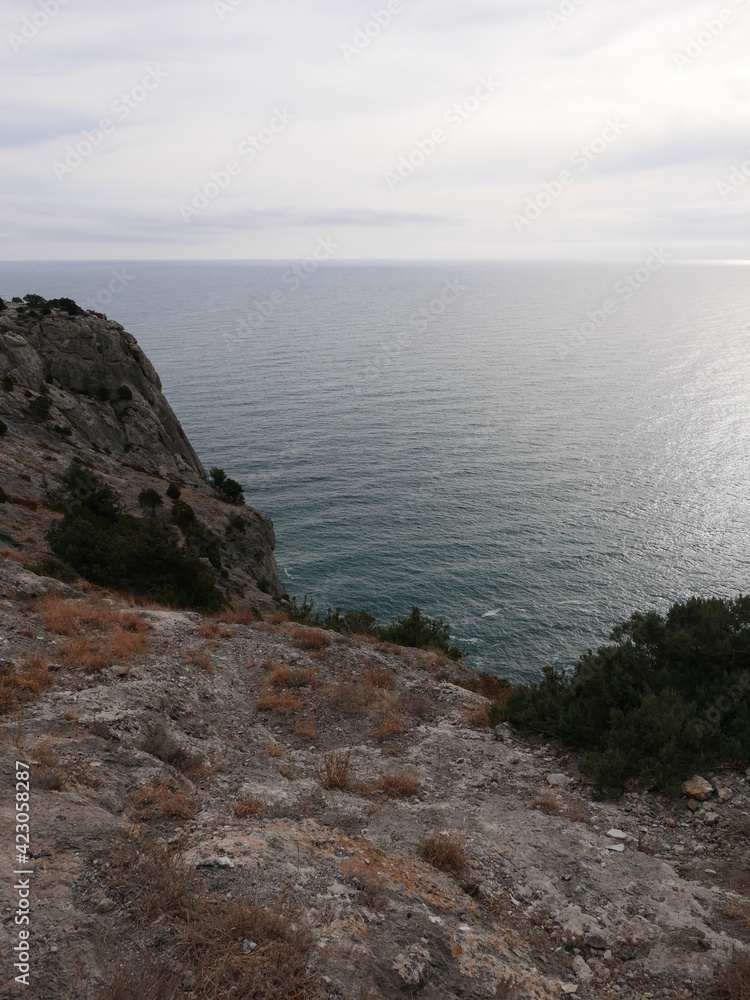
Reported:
(384, 129)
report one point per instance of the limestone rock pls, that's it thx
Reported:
(698, 788)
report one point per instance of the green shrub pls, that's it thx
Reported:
(149, 499)
(35, 301)
(39, 408)
(124, 394)
(229, 489)
(173, 491)
(668, 698)
(54, 568)
(79, 484)
(66, 305)
(3, 428)
(421, 632)
(183, 515)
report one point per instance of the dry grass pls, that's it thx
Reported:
(545, 803)
(204, 933)
(304, 725)
(391, 722)
(477, 714)
(212, 630)
(739, 913)
(157, 800)
(444, 851)
(274, 750)
(290, 677)
(98, 635)
(199, 658)
(23, 683)
(399, 784)
(276, 617)
(49, 773)
(732, 980)
(281, 703)
(310, 638)
(161, 745)
(244, 808)
(237, 616)
(378, 679)
(577, 811)
(350, 698)
(335, 770)
(369, 882)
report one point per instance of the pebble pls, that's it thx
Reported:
(617, 834)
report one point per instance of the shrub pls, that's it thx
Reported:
(65, 305)
(419, 631)
(183, 514)
(398, 784)
(35, 301)
(124, 394)
(8, 383)
(113, 549)
(3, 428)
(173, 492)
(39, 408)
(335, 770)
(444, 851)
(668, 698)
(149, 499)
(229, 489)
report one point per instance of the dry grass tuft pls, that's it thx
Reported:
(391, 722)
(23, 683)
(276, 617)
(161, 745)
(444, 851)
(212, 630)
(732, 981)
(290, 677)
(477, 714)
(304, 725)
(244, 808)
(98, 634)
(351, 699)
(369, 882)
(335, 770)
(310, 638)
(545, 803)
(282, 703)
(205, 934)
(157, 800)
(378, 679)
(199, 658)
(399, 784)
(274, 750)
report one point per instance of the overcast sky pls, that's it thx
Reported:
(433, 140)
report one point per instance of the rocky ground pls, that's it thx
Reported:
(352, 792)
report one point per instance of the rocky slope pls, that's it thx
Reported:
(238, 806)
(82, 387)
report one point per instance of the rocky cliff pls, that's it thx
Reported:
(76, 384)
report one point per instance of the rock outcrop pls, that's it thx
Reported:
(78, 385)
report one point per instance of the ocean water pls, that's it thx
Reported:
(462, 436)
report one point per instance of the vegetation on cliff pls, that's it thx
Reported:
(113, 549)
(669, 697)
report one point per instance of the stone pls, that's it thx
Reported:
(597, 940)
(248, 947)
(711, 818)
(558, 780)
(582, 971)
(698, 788)
(693, 806)
(617, 834)
(670, 823)
(724, 794)
(619, 848)
(105, 905)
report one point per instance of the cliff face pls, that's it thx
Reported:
(82, 387)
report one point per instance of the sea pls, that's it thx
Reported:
(531, 451)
